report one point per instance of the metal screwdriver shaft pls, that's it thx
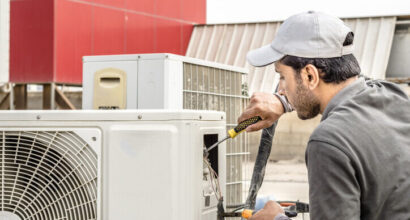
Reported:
(217, 143)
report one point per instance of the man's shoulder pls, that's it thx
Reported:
(330, 128)
(322, 130)
(379, 95)
(387, 87)
(340, 130)
(379, 109)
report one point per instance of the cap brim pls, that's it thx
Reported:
(263, 56)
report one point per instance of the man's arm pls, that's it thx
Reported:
(334, 192)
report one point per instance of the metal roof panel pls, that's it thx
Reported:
(229, 43)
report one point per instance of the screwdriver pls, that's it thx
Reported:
(238, 129)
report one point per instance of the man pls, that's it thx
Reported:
(358, 158)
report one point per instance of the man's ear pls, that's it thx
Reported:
(311, 75)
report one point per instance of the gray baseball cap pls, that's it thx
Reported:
(309, 34)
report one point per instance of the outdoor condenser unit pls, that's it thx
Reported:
(167, 81)
(134, 164)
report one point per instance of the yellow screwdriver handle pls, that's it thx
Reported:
(243, 125)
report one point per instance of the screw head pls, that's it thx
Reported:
(200, 117)
(38, 117)
(139, 116)
(94, 138)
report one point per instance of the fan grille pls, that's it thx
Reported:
(48, 175)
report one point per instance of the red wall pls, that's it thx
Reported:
(49, 37)
(31, 40)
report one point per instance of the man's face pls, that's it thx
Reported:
(294, 87)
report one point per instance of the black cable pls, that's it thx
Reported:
(264, 150)
(258, 174)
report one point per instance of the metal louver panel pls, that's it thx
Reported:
(208, 88)
(47, 175)
(229, 43)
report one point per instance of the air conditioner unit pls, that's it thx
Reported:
(109, 164)
(156, 81)
(168, 81)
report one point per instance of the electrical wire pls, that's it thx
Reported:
(211, 179)
(213, 176)
(214, 180)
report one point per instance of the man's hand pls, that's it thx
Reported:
(265, 105)
(269, 212)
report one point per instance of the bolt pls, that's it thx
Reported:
(222, 117)
(139, 116)
(38, 117)
(94, 138)
(200, 117)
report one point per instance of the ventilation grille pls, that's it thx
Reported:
(48, 175)
(208, 88)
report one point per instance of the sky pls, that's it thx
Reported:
(240, 11)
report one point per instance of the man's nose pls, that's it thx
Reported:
(281, 90)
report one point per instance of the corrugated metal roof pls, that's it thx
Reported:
(229, 43)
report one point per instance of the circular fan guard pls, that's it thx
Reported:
(47, 175)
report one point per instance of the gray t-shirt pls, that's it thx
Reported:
(358, 158)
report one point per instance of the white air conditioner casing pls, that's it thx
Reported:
(123, 164)
(153, 81)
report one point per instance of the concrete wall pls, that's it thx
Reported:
(290, 140)
(292, 136)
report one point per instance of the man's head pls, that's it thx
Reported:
(313, 53)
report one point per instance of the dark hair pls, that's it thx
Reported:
(332, 70)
